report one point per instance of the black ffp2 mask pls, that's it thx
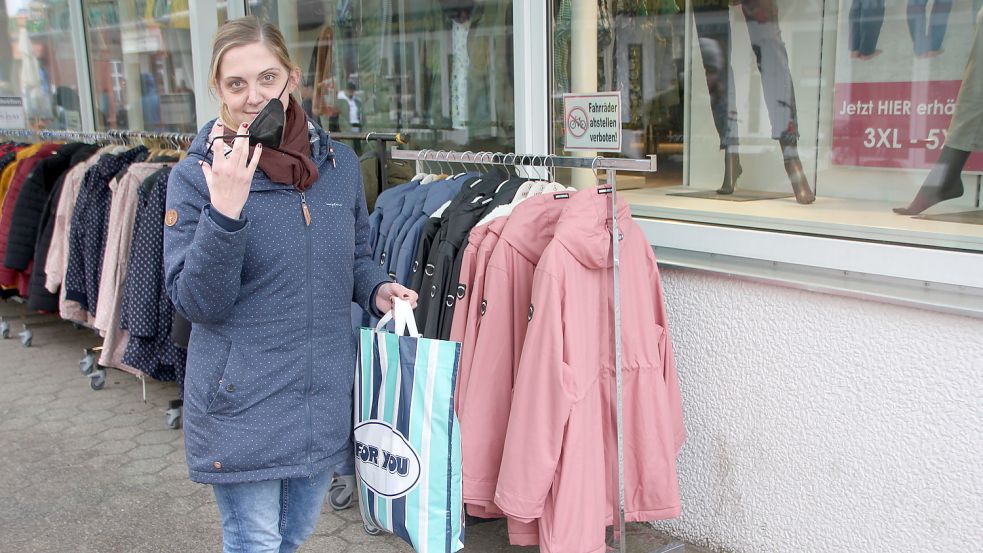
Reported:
(267, 126)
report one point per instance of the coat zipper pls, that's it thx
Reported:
(304, 210)
(310, 333)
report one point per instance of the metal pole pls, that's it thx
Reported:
(531, 160)
(616, 269)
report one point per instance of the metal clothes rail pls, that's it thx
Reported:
(380, 139)
(612, 166)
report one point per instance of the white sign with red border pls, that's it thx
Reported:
(592, 121)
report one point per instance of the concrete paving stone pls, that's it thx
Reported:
(166, 436)
(329, 523)
(150, 451)
(20, 423)
(75, 443)
(52, 427)
(94, 403)
(144, 466)
(104, 465)
(57, 413)
(175, 470)
(109, 446)
(118, 432)
(180, 490)
(131, 422)
(325, 544)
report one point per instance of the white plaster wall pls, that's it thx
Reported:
(822, 423)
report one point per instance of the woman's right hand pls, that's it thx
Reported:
(228, 178)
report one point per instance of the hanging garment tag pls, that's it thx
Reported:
(604, 190)
(562, 196)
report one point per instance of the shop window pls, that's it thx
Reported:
(37, 63)
(140, 64)
(439, 70)
(754, 106)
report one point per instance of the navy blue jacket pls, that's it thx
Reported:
(270, 368)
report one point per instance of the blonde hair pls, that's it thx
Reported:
(240, 32)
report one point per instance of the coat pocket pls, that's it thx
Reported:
(221, 392)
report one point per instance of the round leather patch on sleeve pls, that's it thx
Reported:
(170, 218)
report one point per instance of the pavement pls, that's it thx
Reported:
(99, 471)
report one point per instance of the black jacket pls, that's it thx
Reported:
(25, 219)
(39, 298)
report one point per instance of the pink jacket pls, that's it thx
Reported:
(501, 329)
(476, 295)
(122, 213)
(559, 463)
(465, 281)
(57, 262)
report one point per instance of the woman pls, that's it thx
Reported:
(265, 248)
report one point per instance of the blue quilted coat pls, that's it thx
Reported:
(268, 391)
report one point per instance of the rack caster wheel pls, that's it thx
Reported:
(370, 529)
(342, 492)
(4, 329)
(97, 379)
(25, 337)
(87, 363)
(76, 326)
(173, 418)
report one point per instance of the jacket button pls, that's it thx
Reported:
(230, 388)
(218, 465)
(433, 290)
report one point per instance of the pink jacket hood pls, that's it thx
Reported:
(584, 229)
(533, 223)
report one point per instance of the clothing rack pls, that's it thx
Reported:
(380, 139)
(176, 139)
(611, 166)
(88, 364)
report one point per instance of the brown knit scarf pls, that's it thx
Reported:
(291, 163)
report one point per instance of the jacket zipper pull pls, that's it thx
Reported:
(303, 207)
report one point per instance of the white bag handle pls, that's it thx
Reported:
(402, 314)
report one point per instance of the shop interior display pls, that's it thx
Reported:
(944, 181)
(713, 28)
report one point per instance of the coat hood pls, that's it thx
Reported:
(584, 227)
(532, 224)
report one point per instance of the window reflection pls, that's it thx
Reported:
(38, 63)
(141, 64)
(441, 70)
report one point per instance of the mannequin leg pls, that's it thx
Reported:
(732, 171)
(776, 83)
(944, 182)
(796, 174)
(713, 29)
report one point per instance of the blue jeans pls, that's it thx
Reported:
(275, 516)
(928, 29)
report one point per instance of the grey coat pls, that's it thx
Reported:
(268, 393)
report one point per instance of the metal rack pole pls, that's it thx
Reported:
(530, 160)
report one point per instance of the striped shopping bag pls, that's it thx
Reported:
(407, 441)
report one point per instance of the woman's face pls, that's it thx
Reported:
(249, 76)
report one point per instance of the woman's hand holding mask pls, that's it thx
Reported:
(229, 177)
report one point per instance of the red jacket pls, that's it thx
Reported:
(9, 278)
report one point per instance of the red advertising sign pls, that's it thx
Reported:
(899, 125)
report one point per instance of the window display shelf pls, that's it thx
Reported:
(845, 218)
